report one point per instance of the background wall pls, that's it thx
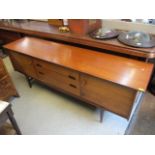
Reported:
(117, 24)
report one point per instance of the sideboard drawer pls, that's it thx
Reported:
(52, 67)
(58, 80)
(57, 76)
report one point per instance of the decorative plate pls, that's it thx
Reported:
(137, 39)
(104, 33)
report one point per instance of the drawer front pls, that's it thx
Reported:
(60, 81)
(113, 97)
(2, 70)
(23, 64)
(6, 88)
(52, 67)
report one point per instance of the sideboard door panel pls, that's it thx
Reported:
(108, 95)
(23, 64)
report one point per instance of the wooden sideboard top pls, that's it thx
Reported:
(43, 29)
(127, 72)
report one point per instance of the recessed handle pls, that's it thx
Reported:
(73, 86)
(84, 82)
(38, 65)
(71, 77)
(41, 73)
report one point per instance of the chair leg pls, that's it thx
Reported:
(101, 115)
(13, 121)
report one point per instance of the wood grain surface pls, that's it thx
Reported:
(127, 72)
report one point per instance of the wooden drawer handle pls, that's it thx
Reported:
(38, 65)
(41, 73)
(73, 86)
(71, 77)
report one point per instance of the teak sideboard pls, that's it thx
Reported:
(106, 81)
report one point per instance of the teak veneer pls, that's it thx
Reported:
(106, 81)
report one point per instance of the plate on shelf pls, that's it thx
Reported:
(104, 33)
(137, 39)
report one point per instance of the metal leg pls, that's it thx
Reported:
(13, 121)
(29, 80)
(136, 106)
(101, 115)
(17, 95)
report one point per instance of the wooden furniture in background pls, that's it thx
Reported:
(9, 36)
(84, 26)
(105, 81)
(6, 37)
(7, 88)
(44, 30)
(7, 113)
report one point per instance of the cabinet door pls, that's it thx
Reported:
(23, 64)
(113, 97)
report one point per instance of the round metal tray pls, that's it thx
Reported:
(137, 39)
(104, 34)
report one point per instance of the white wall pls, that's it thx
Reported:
(117, 24)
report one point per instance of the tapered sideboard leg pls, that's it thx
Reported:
(101, 115)
(29, 80)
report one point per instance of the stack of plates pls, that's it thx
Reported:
(137, 39)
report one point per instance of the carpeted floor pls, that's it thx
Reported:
(143, 122)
